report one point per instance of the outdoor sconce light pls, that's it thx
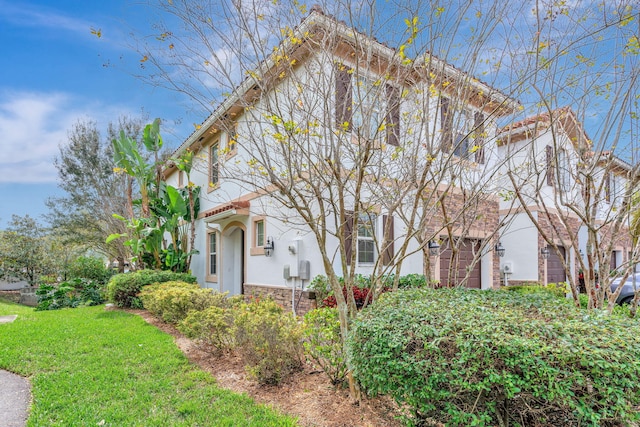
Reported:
(500, 250)
(269, 246)
(544, 252)
(434, 248)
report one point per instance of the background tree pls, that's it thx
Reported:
(25, 251)
(93, 190)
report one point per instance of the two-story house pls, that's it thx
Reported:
(558, 200)
(338, 154)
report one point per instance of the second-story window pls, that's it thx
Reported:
(214, 165)
(564, 171)
(369, 107)
(462, 131)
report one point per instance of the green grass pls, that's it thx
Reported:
(87, 365)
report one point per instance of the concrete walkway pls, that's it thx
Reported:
(15, 394)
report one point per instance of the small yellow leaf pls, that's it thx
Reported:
(144, 58)
(97, 33)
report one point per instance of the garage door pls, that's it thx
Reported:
(462, 264)
(555, 270)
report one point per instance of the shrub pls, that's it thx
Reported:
(557, 289)
(212, 327)
(412, 281)
(89, 268)
(70, 293)
(268, 340)
(172, 301)
(320, 287)
(360, 295)
(466, 357)
(322, 343)
(123, 288)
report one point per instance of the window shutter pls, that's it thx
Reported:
(393, 116)
(344, 96)
(607, 187)
(446, 124)
(478, 125)
(550, 171)
(388, 239)
(347, 231)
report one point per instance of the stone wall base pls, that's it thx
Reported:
(282, 296)
(13, 296)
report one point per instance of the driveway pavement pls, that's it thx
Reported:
(15, 394)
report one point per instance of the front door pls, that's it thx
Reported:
(555, 269)
(233, 252)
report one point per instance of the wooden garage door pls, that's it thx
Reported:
(555, 270)
(469, 249)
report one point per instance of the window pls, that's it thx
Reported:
(259, 235)
(369, 108)
(232, 140)
(366, 244)
(213, 254)
(366, 106)
(259, 228)
(214, 165)
(180, 179)
(563, 171)
(462, 131)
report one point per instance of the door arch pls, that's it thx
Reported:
(233, 258)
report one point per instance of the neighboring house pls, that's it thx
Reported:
(250, 241)
(562, 190)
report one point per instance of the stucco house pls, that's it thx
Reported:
(566, 189)
(279, 163)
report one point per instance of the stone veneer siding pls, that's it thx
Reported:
(282, 296)
(480, 216)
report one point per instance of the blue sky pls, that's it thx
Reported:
(56, 71)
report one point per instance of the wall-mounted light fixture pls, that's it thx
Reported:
(500, 250)
(434, 248)
(545, 252)
(269, 246)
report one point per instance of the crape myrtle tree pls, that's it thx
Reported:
(94, 192)
(331, 137)
(582, 69)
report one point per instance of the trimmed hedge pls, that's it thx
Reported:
(123, 288)
(465, 357)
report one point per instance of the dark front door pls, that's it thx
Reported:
(555, 269)
(463, 264)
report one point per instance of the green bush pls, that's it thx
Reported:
(320, 287)
(123, 288)
(71, 293)
(466, 357)
(172, 301)
(557, 289)
(269, 341)
(322, 343)
(212, 327)
(89, 268)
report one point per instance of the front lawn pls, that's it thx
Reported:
(93, 367)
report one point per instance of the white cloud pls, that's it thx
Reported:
(32, 127)
(40, 16)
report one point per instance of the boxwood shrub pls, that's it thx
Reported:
(464, 357)
(123, 288)
(172, 301)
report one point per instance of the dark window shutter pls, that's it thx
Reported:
(347, 230)
(344, 96)
(478, 125)
(550, 171)
(607, 187)
(446, 124)
(393, 116)
(388, 239)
